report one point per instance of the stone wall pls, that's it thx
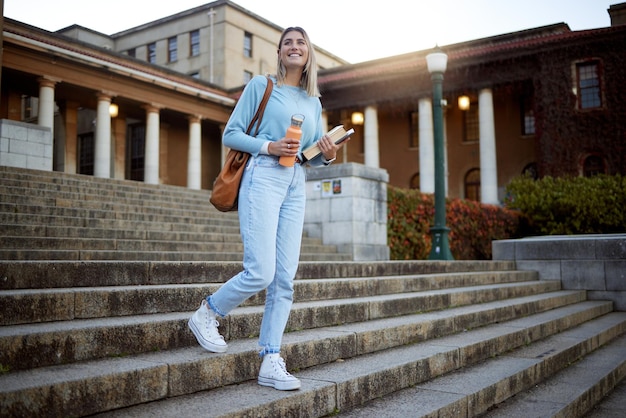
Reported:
(25, 145)
(347, 207)
(596, 263)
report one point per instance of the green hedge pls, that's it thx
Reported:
(572, 205)
(472, 226)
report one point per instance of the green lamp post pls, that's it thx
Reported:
(436, 62)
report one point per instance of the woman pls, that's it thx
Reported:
(271, 203)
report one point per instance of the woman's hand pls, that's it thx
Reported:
(329, 148)
(284, 147)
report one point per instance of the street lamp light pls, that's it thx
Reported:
(436, 62)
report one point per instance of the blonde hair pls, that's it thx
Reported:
(308, 81)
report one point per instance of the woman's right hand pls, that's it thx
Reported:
(284, 147)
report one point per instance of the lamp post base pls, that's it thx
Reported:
(440, 248)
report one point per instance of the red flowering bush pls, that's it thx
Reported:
(473, 226)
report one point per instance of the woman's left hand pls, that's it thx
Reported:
(328, 147)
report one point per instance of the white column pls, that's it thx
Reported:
(102, 149)
(488, 166)
(151, 159)
(194, 170)
(45, 112)
(371, 137)
(426, 146)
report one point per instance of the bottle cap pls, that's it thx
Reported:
(297, 119)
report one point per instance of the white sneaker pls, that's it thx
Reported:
(274, 373)
(204, 326)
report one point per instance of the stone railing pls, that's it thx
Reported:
(347, 207)
(25, 145)
(596, 263)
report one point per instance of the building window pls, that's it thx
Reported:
(247, 45)
(86, 153)
(136, 151)
(589, 85)
(194, 43)
(131, 52)
(247, 76)
(152, 53)
(593, 165)
(472, 184)
(30, 108)
(528, 117)
(414, 139)
(172, 49)
(414, 183)
(470, 124)
(531, 171)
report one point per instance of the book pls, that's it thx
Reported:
(338, 134)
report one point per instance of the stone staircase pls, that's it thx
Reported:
(100, 333)
(57, 216)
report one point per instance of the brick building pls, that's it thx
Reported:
(548, 100)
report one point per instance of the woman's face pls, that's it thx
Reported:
(294, 51)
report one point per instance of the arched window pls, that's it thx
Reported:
(472, 184)
(593, 165)
(531, 170)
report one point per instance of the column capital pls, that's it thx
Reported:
(152, 107)
(105, 95)
(47, 81)
(194, 118)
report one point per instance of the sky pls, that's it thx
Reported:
(354, 30)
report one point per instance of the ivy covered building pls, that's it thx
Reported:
(548, 101)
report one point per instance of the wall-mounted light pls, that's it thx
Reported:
(357, 118)
(464, 102)
(113, 110)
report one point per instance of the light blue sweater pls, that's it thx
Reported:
(284, 102)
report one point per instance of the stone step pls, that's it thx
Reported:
(214, 234)
(167, 256)
(613, 405)
(341, 367)
(92, 198)
(209, 224)
(145, 244)
(133, 214)
(55, 274)
(564, 372)
(23, 306)
(41, 344)
(104, 244)
(36, 179)
(574, 391)
(210, 234)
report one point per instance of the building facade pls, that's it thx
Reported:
(219, 42)
(545, 101)
(172, 83)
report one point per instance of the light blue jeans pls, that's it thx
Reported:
(271, 217)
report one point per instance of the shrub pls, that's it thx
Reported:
(472, 226)
(570, 205)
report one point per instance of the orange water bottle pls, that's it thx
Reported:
(293, 132)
